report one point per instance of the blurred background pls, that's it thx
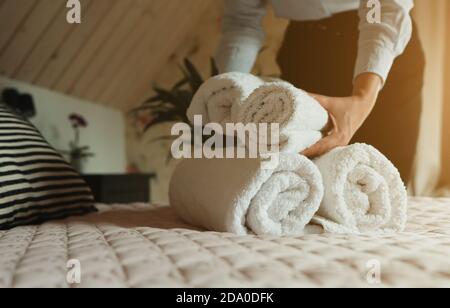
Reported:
(109, 64)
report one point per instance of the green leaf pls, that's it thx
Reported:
(180, 84)
(214, 68)
(165, 96)
(169, 158)
(154, 99)
(183, 99)
(195, 78)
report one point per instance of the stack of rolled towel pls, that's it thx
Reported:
(353, 189)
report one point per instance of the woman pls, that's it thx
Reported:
(367, 73)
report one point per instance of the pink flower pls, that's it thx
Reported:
(77, 120)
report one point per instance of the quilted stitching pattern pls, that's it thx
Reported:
(141, 246)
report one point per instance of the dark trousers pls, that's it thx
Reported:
(320, 56)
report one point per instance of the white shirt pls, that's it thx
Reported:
(379, 43)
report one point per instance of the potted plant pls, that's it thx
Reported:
(77, 153)
(171, 105)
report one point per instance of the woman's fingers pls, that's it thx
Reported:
(334, 129)
(322, 147)
(327, 143)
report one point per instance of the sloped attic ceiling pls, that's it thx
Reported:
(110, 58)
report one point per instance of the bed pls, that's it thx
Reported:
(148, 246)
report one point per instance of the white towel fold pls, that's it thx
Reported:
(238, 196)
(300, 117)
(218, 97)
(363, 192)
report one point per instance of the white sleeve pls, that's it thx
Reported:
(380, 43)
(242, 35)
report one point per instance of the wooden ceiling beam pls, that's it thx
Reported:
(28, 34)
(62, 58)
(112, 57)
(92, 47)
(12, 14)
(46, 47)
(123, 53)
(95, 76)
(162, 40)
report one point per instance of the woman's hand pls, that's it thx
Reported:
(347, 114)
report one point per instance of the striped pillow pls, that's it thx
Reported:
(36, 183)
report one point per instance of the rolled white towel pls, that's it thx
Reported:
(300, 117)
(363, 192)
(218, 97)
(239, 196)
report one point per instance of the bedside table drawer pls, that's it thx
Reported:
(120, 188)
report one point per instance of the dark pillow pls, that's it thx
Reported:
(36, 183)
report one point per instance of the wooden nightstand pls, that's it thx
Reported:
(118, 188)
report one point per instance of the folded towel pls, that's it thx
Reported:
(219, 96)
(300, 117)
(363, 192)
(239, 196)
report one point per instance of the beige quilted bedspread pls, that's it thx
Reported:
(142, 246)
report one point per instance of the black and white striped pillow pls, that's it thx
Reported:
(36, 183)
